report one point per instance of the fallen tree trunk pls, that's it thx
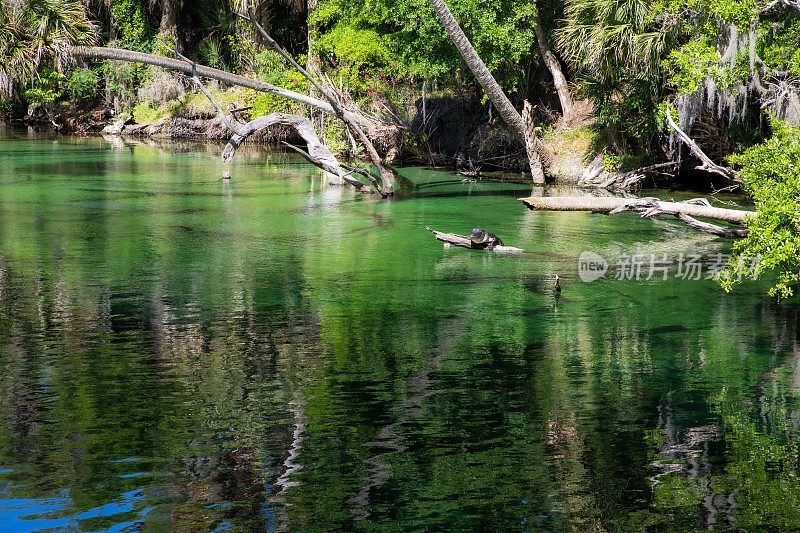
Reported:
(464, 242)
(649, 207)
(193, 69)
(601, 204)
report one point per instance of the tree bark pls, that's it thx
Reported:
(531, 145)
(170, 11)
(478, 68)
(553, 65)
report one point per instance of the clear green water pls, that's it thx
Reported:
(180, 354)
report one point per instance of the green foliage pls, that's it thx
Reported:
(779, 44)
(621, 162)
(404, 39)
(738, 12)
(122, 79)
(33, 33)
(131, 20)
(144, 113)
(687, 66)
(272, 68)
(45, 88)
(355, 47)
(82, 83)
(771, 172)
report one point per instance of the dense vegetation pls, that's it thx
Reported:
(730, 68)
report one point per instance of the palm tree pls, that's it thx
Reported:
(18, 55)
(479, 70)
(37, 30)
(603, 38)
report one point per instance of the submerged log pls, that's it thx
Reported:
(650, 207)
(463, 241)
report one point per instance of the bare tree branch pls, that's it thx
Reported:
(706, 163)
(385, 187)
(317, 153)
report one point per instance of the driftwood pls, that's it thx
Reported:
(650, 207)
(464, 242)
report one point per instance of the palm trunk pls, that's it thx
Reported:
(559, 81)
(170, 11)
(532, 145)
(130, 56)
(478, 68)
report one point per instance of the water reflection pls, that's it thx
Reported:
(274, 354)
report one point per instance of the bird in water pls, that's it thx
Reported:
(558, 284)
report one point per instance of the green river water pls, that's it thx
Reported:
(179, 354)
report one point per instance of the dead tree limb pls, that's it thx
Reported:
(464, 242)
(531, 145)
(317, 153)
(597, 176)
(386, 187)
(649, 207)
(230, 120)
(706, 163)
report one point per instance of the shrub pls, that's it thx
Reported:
(771, 172)
(82, 83)
(45, 88)
(144, 113)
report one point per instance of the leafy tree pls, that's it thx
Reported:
(771, 172)
(404, 38)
